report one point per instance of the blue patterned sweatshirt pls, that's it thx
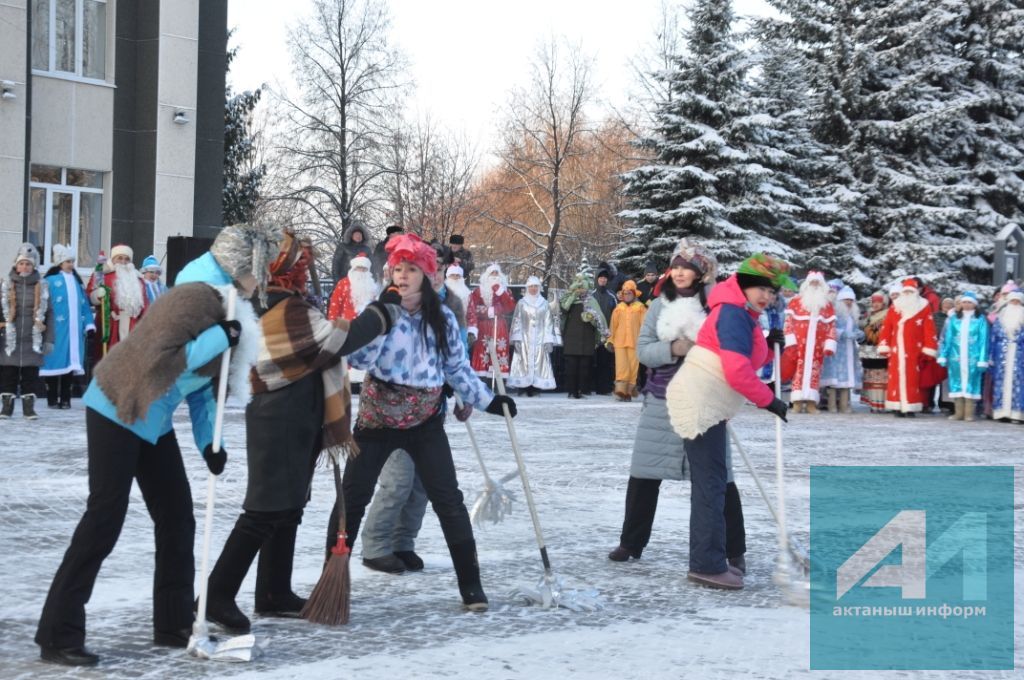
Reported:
(409, 356)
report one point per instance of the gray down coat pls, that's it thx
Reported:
(25, 301)
(658, 451)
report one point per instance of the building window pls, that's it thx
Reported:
(66, 207)
(70, 37)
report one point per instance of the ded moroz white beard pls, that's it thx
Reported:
(486, 288)
(1012, 319)
(458, 288)
(844, 312)
(127, 289)
(909, 303)
(363, 289)
(813, 298)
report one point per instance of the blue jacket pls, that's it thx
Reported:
(194, 389)
(70, 325)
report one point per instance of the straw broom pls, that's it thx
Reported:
(328, 604)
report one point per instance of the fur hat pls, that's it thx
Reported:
(394, 229)
(242, 249)
(894, 288)
(457, 239)
(1009, 287)
(532, 281)
(878, 295)
(764, 270)
(908, 284)
(151, 264)
(846, 294)
(454, 269)
(359, 261)
(969, 296)
(62, 254)
(27, 252)
(122, 249)
(836, 284)
(695, 257)
(1015, 295)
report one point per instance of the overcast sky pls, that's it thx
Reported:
(466, 54)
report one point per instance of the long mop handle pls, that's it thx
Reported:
(520, 464)
(476, 448)
(211, 480)
(779, 477)
(753, 473)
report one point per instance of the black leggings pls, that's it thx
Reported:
(117, 457)
(428, 446)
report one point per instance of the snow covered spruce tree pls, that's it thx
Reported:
(702, 181)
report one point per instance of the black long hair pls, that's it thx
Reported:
(56, 268)
(669, 290)
(433, 315)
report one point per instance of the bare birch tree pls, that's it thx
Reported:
(331, 156)
(545, 129)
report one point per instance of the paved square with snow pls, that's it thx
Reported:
(654, 623)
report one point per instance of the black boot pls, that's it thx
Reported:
(7, 410)
(28, 406)
(65, 390)
(467, 570)
(52, 389)
(226, 578)
(274, 596)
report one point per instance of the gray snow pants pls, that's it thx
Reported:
(396, 513)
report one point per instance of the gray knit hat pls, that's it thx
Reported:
(27, 251)
(242, 249)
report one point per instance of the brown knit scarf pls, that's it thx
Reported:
(299, 340)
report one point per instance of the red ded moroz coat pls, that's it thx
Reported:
(907, 342)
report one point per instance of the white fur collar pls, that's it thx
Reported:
(680, 318)
(243, 355)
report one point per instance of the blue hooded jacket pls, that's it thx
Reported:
(196, 390)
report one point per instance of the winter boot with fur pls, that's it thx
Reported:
(969, 405)
(832, 408)
(467, 571)
(28, 406)
(958, 409)
(844, 400)
(7, 410)
(811, 407)
(274, 596)
(621, 391)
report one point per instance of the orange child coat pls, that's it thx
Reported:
(627, 318)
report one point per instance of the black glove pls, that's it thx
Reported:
(776, 336)
(391, 296)
(215, 461)
(233, 330)
(779, 408)
(448, 391)
(494, 408)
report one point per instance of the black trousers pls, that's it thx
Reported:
(428, 446)
(577, 373)
(13, 377)
(642, 503)
(116, 457)
(58, 388)
(604, 371)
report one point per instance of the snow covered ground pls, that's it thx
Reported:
(654, 624)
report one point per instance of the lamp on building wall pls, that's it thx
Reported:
(7, 90)
(180, 118)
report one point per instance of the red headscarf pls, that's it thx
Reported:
(291, 268)
(411, 248)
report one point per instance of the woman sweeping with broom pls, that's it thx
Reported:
(300, 407)
(718, 376)
(402, 407)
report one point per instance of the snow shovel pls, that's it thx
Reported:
(200, 644)
(796, 550)
(549, 591)
(494, 502)
(789, 574)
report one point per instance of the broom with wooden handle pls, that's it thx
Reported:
(330, 600)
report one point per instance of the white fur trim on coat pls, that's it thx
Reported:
(680, 318)
(243, 355)
(698, 396)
